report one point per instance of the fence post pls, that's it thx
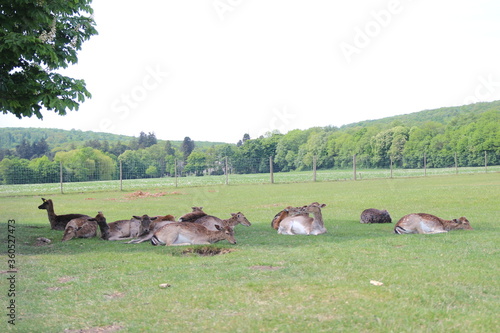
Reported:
(227, 172)
(175, 171)
(485, 161)
(271, 169)
(61, 175)
(121, 176)
(425, 164)
(456, 164)
(314, 168)
(354, 165)
(391, 166)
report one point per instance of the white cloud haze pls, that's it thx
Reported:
(214, 70)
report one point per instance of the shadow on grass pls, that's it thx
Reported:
(27, 238)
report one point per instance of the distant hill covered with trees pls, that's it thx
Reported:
(445, 136)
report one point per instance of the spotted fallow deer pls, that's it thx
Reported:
(57, 222)
(210, 222)
(181, 233)
(304, 225)
(423, 223)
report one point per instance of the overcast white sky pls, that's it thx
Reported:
(214, 70)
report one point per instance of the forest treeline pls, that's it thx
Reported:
(445, 137)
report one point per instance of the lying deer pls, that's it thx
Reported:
(181, 233)
(154, 227)
(302, 224)
(125, 229)
(193, 216)
(288, 211)
(372, 215)
(81, 227)
(210, 222)
(57, 222)
(429, 224)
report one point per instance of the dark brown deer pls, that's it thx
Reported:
(372, 215)
(57, 222)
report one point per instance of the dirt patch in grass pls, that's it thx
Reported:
(42, 241)
(207, 251)
(141, 194)
(266, 268)
(102, 329)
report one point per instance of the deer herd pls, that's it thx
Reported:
(197, 227)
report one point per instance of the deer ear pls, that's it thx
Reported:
(136, 217)
(43, 199)
(153, 218)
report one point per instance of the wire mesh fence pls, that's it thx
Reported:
(62, 178)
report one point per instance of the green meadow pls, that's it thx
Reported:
(266, 282)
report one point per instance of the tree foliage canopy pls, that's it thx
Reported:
(471, 137)
(37, 38)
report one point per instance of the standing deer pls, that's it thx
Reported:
(304, 225)
(422, 223)
(181, 233)
(57, 222)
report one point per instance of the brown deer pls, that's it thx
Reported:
(57, 222)
(372, 215)
(81, 227)
(288, 211)
(181, 233)
(210, 222)
(153, 227)
(423, 223)
(304, 225)
(125, 229)
(103, 226)
(193, 216)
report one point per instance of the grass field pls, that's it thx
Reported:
(267, 282)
